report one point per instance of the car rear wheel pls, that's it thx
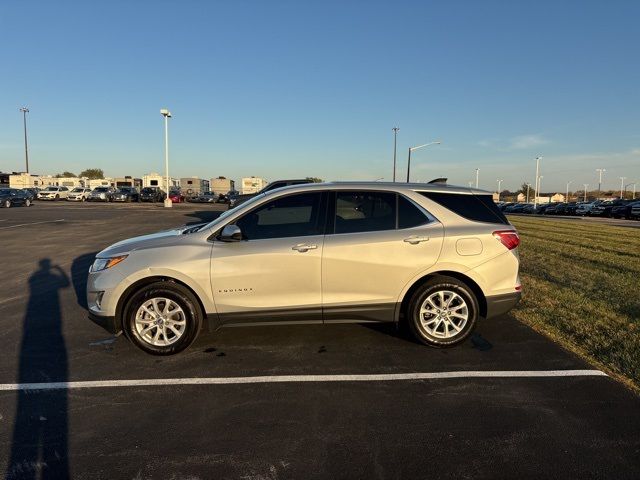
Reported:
(57, 197)
(27, 203)
(442, 312)
(7, 204)
(163, 318)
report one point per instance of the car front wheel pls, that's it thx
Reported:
(442, 312)
(7, 204)
(27, 203)
(163, 318)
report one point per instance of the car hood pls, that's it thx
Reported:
(158, 239)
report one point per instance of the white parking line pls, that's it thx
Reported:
(301, 379)
(32, 223)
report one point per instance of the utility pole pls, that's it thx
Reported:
(24, 111)
(395, 138)
(528, 186)
(622, 179)
(477, 176)
(585, 191)
(499, 184)
(536, 193)
(566, 199)
(634, 192)
(600, 171)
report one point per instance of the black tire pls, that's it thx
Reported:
(27, 202)
(177, 294)
(57, 198)
(7, 204)
(434, 285)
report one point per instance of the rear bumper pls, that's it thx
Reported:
(108, 323)
(500, 304)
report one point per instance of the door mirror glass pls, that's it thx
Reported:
(231, 233)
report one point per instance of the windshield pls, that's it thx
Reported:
(5, 191)
(126, 190)
(51, 189)
(101, 189)
(148, 190)
(77, 190)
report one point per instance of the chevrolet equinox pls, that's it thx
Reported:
(434, 256)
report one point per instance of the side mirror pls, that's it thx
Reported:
(231, 233)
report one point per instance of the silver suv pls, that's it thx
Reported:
(435, 257)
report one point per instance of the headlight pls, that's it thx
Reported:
(104, 263)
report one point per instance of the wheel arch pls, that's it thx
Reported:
(134, 287)
(475, 288)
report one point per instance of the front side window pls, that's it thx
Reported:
(363, 211)
(291, 216)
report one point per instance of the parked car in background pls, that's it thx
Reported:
(504, 205)
(126, 194)
(624, 210)
(32, 193)
(53, 193)
(101, 194)
(561, 209)
(239, 199)
(152, 194)
(176, 196)
(550, 209)
(205, 197)
(528, 208)
(436, 258)
(78, 194)
(571, 208)
(541, 208)
(12, 197)
(635, 211)
(226, 197)
(604, 209)
(584, 209)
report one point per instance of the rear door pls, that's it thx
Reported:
(379, 241)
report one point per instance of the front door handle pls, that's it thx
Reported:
(415, 239)
(303, 247)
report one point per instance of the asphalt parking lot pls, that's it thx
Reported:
(532, 411)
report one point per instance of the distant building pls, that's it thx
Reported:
(549, 198)
(26, 180)
(252, 184)
(127, 181)
(222, 185)
(99, 182)
(156, 180)
(192, 186)
(521, 197)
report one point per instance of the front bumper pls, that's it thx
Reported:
(108, 323)
(500, 304)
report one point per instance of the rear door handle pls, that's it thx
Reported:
(303, 247)
(415, 239)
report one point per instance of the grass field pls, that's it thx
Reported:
(581, 285)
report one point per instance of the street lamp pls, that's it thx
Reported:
(536, 193)
(477, 176)
(585, 191)
(499, 184)
(528, 186)
(600, 171)
(167, 115)
(411, 149)
(622, 179)
(566, 199)
(24, 111)
(395, 143)
(540, 186)
(470, 184)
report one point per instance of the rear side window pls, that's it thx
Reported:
(409, 215)
(478, 208)
(365, 211)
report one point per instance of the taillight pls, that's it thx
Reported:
(509, 238)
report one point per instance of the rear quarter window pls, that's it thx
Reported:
(477, 208)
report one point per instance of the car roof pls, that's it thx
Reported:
(389, 186)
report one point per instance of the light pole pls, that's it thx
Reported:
(477, 176)
(167, 115)
(566, 199)
(585, 191)
(634, 191)
(499, 184)
(622, 179)
(24, 111)
(395, 143)
(600, 171)
(470, 184)
(536, 192)
(411, 149)
(528, 186)
(540, 186)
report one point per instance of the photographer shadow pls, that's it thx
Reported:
(40, 434)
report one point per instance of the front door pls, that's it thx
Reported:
(273, 274)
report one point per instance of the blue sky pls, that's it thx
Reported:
(288, 89)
